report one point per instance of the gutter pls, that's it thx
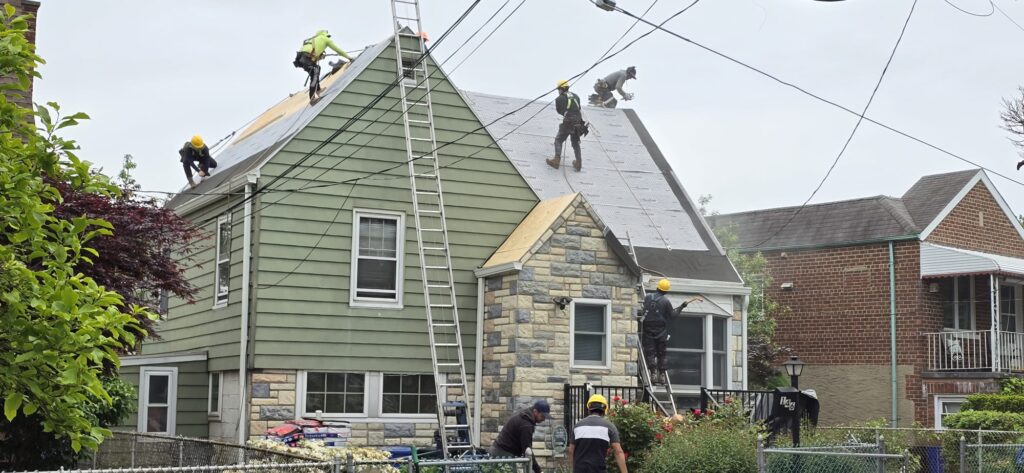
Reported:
(830, 245)
(479, 362)
(892, 332)
(243, 408)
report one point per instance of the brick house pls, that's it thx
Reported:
(945, 261)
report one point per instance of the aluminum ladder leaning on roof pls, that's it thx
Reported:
(445, 336)
(642, 372)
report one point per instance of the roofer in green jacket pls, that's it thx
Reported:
(310, 54)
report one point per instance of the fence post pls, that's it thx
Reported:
(181, 452)
(880, 461)
(335, 464)
(135, 441)
(963, 454)
(760, 454)
(980, 443)
(350, 465)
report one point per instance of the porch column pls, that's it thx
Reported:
(994, 325)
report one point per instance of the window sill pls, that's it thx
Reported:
(219, 305)
(376, 305)
(589, 369)
(215, 417)
(357, 419)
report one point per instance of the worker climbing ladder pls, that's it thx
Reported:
(642, 371)
(445, 337)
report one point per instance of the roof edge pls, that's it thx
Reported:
(894, 238)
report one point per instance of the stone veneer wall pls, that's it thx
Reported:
(526, 336)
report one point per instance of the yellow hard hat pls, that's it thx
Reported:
(664, 285)
(597, 399)
(563, 84)
(197, 141)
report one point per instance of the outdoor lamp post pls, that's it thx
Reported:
(794, 368)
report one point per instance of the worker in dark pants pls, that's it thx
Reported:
(568, 106)
(195, 152)
(591, 439)
(655, 315)
(517, 434)
(603, 96)
(309, 55)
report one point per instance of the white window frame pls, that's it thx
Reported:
(956, 307)
(145, 373)
(607, 336)
(219, 376)
(300, 396)
(378, 410)
(1017, 306)
(707, 374)
(939, 401)
(219, 299)
(354, 301)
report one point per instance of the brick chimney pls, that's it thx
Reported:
(23, 99)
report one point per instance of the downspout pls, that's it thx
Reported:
(892, 332)
(993, 285)
(243, 409)
(479, 381)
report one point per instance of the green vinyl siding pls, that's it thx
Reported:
(198, 325)
(192, 397)
(303, 318)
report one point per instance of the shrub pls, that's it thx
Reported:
(1012, 386)
(704, 447)
(639, 428)
(995, 402)
(985, 420)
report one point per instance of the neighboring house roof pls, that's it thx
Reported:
(271, 130)
(626, 179)
(541, 224)
(852, 221)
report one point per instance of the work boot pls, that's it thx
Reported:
(577, 164)
(554, 162)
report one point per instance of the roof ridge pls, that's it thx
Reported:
(792, 207)
(898, 210)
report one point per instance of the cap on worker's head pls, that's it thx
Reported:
(563, 84)
(664, 285)
(543, 407)
(423, 34)
(197, 141)
(597, 402)
(323, 32)
(631, 71)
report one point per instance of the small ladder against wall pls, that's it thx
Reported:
(666, 407)
(445, 337)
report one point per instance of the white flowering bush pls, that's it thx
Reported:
(316, 450)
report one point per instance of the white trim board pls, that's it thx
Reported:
(162, 358)
(981, 176)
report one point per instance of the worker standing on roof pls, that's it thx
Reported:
(195, 152)
(516, 436)
(592, 437)
(655, 315)
(568, 106)
(310, 54)
(603, 96)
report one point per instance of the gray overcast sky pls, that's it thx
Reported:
(152, 73)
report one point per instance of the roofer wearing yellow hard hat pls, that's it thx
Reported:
(311, 52)
(195, 151)
(656, 313)
(590, 439)
(568, 106)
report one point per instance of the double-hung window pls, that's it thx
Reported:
(590, 344)
(957, 306)
(696, 339)
(222, 279)
(377, 259)
(158, 398)
(945, 406)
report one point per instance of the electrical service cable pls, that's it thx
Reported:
(1008, 17)
(495, 30)
(856, 126)
(992, 9)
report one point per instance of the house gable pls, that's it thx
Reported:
(304, 245)
(978, 219)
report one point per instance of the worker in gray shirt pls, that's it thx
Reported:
(603, 96)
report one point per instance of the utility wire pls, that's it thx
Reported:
(478, 30)
(856, 126)
(495, 30)
(1008, 17)
(992, 9)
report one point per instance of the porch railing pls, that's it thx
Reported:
(975, 350)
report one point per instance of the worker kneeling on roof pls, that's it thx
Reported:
(195, 152)
(568, 106)
(603, 96)
(516, 436)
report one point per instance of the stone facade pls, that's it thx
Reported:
(527, 336)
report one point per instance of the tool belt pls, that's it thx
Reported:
(600, 85)
(303, 59)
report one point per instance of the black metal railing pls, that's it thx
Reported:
(575, 405)
(710, 398)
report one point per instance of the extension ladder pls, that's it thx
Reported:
(642, 371)
(445, 337)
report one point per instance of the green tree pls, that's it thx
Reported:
(762, 350)
(61, 331)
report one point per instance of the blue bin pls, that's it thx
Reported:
(933, 459)
(401, 451)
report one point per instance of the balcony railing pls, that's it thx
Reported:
(975, 350)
